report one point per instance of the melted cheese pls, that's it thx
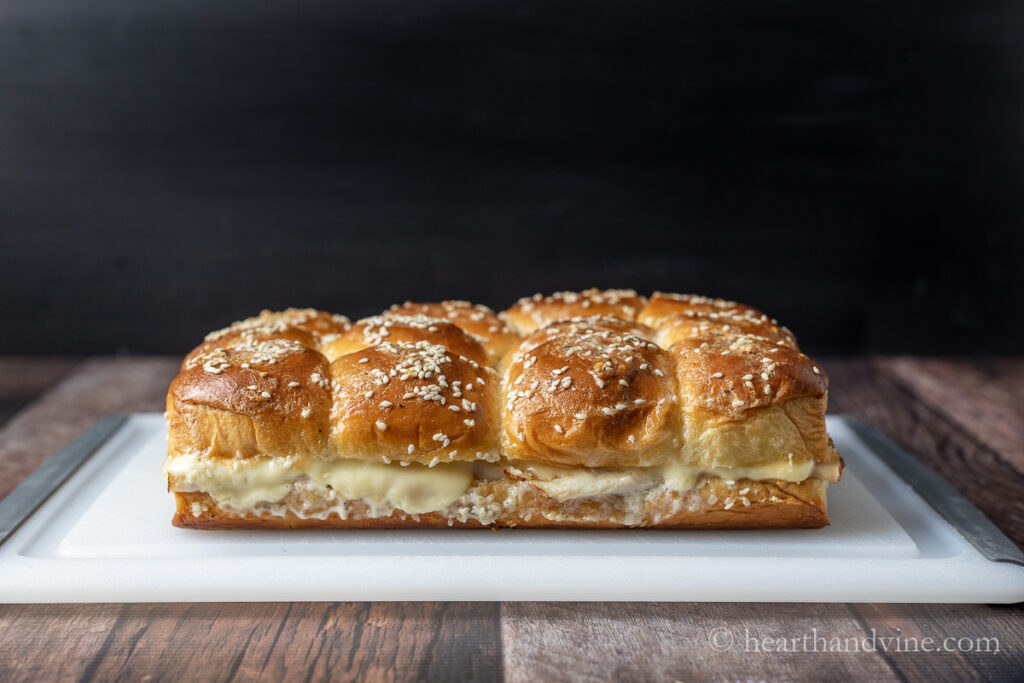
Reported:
(570, 484)
(418, 489)
(415, 488)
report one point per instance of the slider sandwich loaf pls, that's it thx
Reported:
(598, 409)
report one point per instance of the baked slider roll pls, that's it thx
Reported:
(754, 412)
(237, 417)
(307, 326)
(475, 319)
(531, 313)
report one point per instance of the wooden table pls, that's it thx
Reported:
(964, 418)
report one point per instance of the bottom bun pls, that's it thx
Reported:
(714, 503)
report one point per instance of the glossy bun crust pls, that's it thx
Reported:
(531, 313)
(575, 410)
(591, 399)
(414, 402)
(476, 319)
(267, 398)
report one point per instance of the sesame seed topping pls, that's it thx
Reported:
(364, 360)
(381, 426)
(265, 394)
(385, 404)
(558, 428)
(307, 411)
(717, 375)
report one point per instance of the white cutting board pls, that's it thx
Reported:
(106, 536)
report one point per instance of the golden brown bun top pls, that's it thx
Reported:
(278, 389)
(306, 326)
(728, 375)
(584, 325)
(378, 329)
(596, 399)
(476, 319)
(530, 313)
(663, 305)
(677, 327)
(414, 402)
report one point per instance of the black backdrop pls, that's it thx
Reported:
(168, 166)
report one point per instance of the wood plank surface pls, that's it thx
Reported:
(681, 641)
(25, 378)
(960, 417)
(254, 641)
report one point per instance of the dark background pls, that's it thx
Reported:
(168, 166)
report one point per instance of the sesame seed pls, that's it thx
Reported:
(558, 428)
(381, 426)
(364, 360)
(717, 375)
(631, 439)
(368, 394)
(385, 404)
(469, 423)
(265, 394)
(580, 416)
(411, 448)
(454, 408)
(292, 385)
(306, 412)
(815, 369)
